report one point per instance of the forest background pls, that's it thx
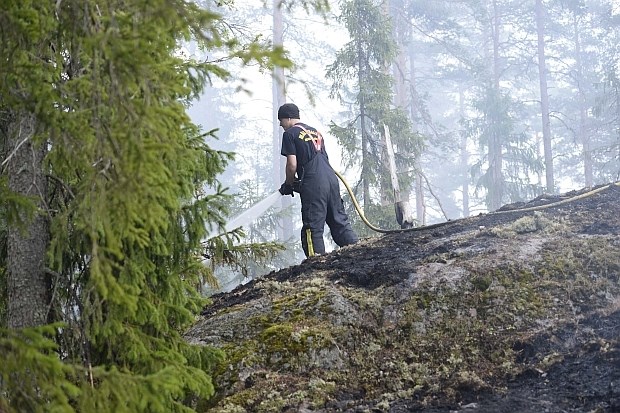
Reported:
(488, 103)
(109, 191)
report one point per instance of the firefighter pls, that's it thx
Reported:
(308, 172)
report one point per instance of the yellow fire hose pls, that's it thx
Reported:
(534, 208)
(361, 213)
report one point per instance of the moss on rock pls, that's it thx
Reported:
(459, 314)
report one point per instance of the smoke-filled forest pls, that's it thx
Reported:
(131, 132)
(485, 102)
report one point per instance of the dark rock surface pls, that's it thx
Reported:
(515, 311)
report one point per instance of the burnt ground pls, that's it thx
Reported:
(586, 379)
(584, 375)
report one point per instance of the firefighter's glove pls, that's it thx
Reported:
(286, 189)
(297, 186)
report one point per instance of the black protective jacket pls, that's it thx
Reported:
(320, 190)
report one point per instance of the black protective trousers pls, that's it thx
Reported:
(321, 204)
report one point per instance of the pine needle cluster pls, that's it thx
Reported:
(125, 208)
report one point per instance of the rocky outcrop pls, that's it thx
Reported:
(486, 314)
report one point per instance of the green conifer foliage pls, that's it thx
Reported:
(361, 75)
(126, 205)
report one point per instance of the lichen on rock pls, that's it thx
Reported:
(432, 318)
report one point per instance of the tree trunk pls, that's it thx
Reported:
(418, 187)
(583, 137)
(285, 230)
(496, 184)
(365, 143)
(28, 286)
(420, 205)
(464, 157)
(544, 97)
(399, 72)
